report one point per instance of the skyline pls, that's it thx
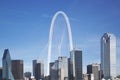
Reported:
(23, 23)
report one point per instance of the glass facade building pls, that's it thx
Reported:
(6, 66)
(17, 69)
(0, 73)
(108, 56)
(59, 69)
(38, 69)
(76, 64)
(95, 70)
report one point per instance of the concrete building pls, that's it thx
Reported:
(88, 77)
(76, 61)
(17, 69)
(108, 56)
(62, 68)
(59, 69)
(95, 70)
(7, 66)
(85, 76)
(38, 69)
(53, 70)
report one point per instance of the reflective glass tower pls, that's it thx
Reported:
(108, 56)
(17, 69)
(0, 73)
(38, 69)
(76, 64)
(6, 66)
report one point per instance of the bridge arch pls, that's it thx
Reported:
(51, 34)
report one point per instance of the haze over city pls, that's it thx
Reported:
(25, 25)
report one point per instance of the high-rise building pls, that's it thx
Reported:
(70, 76)
(108, 55)
(38, 69)
(0, 73)
(6, 66)
(95, 70)
(59, 69)
(62, 68)
(17, 69)
(76, 60)
(53, 70)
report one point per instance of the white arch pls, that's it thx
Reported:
(51, 34)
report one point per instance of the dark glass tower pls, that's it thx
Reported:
(6, 66)
(76, 64)
(0, 73)
(38, 69)
(17, 69)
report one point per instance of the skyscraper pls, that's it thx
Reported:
(76, 60)
(70, 76)
(0, 73)
(6, 66)
(95, 70)
(17, 69)
(62, 68)
(108, 55)
(53, 70)
(38, 69)
(59, 69)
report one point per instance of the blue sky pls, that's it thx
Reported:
(25, 24)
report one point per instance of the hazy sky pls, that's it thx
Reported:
(25, 24)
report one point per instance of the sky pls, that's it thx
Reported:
(25, 25)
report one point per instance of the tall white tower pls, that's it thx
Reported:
(108, 55)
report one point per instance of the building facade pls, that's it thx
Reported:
(59, 69)
(62, 68)
(7, 66)
(108, 56)
(76, 64)
(17, 69)
(95, 70)
(38, 69)
(27, 75)
(54, 70)
(0, 73)
(70, 75)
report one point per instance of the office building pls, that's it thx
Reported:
(59, 69)
(0, 73)
(62, 68)
(27, 75)
(38, 69)
(108, 56)
(76, 60)
(17, 69)
(53, 70)
(95, 70)
(6, 66)
(85, 77)
(70, 76)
